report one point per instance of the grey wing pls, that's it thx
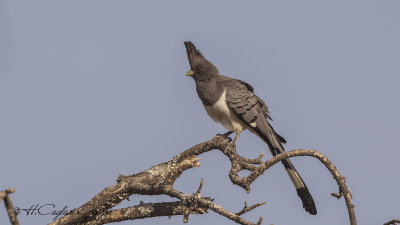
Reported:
(246, 105)
(263, 107)
(243, 102)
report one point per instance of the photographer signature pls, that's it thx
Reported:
(45, 209)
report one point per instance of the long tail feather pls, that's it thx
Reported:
(269, 136)
(301, 188)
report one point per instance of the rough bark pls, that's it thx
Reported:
(9, 206)
(160, 179)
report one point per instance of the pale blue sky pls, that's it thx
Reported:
(93, 89)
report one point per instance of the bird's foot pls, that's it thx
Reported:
(226, 135)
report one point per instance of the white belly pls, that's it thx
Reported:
(221, 113)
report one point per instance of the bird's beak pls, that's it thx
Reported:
(189, 73)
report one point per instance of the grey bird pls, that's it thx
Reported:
(233, 103)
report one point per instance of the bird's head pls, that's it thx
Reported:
(200, 68)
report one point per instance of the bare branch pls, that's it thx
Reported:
(392, 222)
(6, 192)
(206, 203)
(328, 164)
(247, 209)
(337, 195)
(145, 210)
(200, 186)
(218, 209)
(9, 205)
(160, 179)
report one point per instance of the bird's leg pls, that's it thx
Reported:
(236, 137)
(226, 135)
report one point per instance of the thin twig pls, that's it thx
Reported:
(337, 195)
(200, 186)
(207, 203)
(392, 222)
(246, 209)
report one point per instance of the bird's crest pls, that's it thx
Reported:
(194, 55)
(198, 62)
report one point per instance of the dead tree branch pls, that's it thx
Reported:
(160, 179)
(247, 209)
(147, 210)
(9, 206)
(392, 222)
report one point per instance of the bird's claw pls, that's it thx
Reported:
(225, 137)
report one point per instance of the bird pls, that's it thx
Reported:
(232, 103)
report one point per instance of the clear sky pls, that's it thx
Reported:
(92, 89)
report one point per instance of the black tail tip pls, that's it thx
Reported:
(308, 201)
